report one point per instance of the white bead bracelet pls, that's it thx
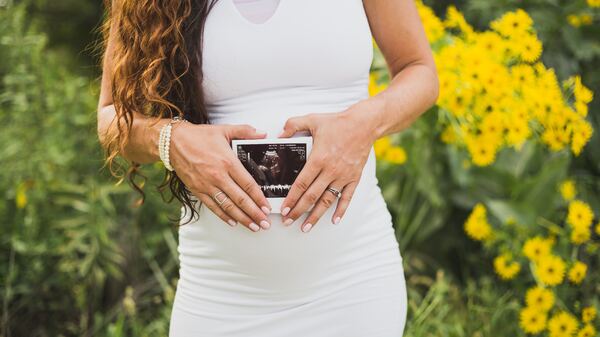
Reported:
(164, 142)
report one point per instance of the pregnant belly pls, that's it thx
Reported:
(283, 261)
(217, 260)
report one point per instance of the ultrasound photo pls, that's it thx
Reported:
(273, 166)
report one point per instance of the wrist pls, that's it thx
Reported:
(368, 115)
(152, 130)
(175, 147)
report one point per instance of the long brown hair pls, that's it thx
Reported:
(157, 72)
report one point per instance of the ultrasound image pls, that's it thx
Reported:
(273, 166)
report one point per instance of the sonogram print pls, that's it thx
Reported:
(273, 166)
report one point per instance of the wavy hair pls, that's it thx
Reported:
(157, 72)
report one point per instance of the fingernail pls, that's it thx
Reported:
(260, 131)
(306, 227)
(254, 227)
(288, 222)
(285, 211)
(264, 224)
(337, 220)
(265, 210)
(231, 223)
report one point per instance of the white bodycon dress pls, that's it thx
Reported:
(343, 280)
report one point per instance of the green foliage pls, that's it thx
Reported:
(477, 309)
(70, 240)
(71, 27)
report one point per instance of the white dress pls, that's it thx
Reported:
(341, 280)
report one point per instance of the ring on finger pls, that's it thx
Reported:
(335, 191)
(215, 197)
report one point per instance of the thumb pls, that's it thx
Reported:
(243, 131)
(295, 124)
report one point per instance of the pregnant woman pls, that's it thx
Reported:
(325, 264)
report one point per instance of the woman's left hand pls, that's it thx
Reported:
(341, 145)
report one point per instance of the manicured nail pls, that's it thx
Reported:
(306, 227)
(288, 221)
(264, 224)
(265, 210)
(231, 223)
(337, 220)
(260, 131)
(254, 227)
(285, 211)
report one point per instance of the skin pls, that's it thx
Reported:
(341, 140)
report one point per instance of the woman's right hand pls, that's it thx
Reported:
(201, 155)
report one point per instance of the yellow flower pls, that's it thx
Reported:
(582, 132)
(529, 48)
(448, 135)
(532, 320)
(580, 214)
(598, 228)
(21, 195)
(459, 101)
(490, 43)
(374, 87)
(381, 146)
(518, 132)
(588, 314)
(583, 19)
(513, 24)
(582, 93)
(574, 20)
(505, 267)
(551, 270)
(493, 125)
(581, 108)
(483, 149)
(587, 331)
(586, 19)
(434, 29)
(540, 298)
(580, 235)
(476, 225)
(562, 324)
(593, 3)
(555, 138)
(455, 19)
(523, 74)
(395, 155)
(567, 189)
(577, 272)
(536, 248)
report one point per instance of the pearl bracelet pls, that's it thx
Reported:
(164, 142)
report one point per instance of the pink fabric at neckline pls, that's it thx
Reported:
(256, 11)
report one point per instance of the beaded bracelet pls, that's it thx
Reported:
(164, 141)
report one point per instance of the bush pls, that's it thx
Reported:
(72, 240)
(506, 131)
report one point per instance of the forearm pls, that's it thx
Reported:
(411, 92)
(142, 144)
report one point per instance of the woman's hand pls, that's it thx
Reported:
(341, 145)
(204, 161)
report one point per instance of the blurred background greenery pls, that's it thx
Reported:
(79, 260)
